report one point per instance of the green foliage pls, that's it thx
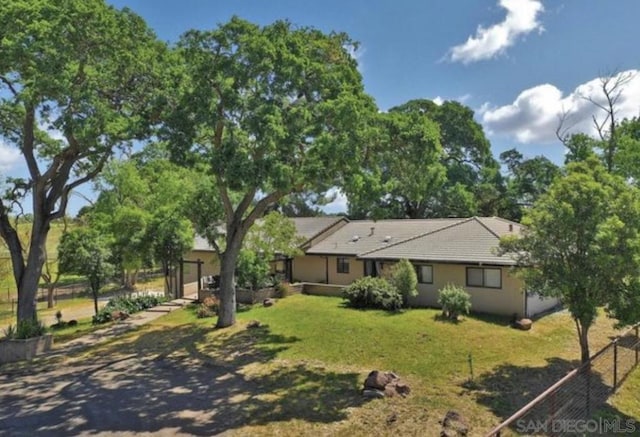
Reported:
(371, 292)
(404, 278)
(582, 244)
(252, 270)
(25, 329)
(527, 180)
(274, 234)
(268, 111)
(83, 251)
(454, 301)
(426, 160)
(78, 81)
(143, 212)
(129, 305)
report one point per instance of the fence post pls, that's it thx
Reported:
(637, 342)
(615, 365)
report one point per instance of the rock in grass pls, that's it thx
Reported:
(454, 425)
(523, 324)
(372, 393)
(268, 302)
(387, 383)
(377, 380)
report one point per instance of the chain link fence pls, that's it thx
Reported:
(568, 406)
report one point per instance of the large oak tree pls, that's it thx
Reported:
(77, 80)
(582, 244)
(271, 110)
(430, 160)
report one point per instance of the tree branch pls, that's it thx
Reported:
(64, 197)
(9, 85)
(28, 143)
(260, 208)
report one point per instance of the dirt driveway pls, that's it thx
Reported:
(131, 395)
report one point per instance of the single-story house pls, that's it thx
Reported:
(310, 230)
(452, 250)
(459, 251)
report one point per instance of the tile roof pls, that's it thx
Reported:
(306, 227)
(471, 240)
(309, 227)
(362, 236)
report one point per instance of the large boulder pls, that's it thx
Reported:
(377, 380)
(384, 384)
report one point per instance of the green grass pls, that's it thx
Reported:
(627, 398)
(311, 354)
(68, 333)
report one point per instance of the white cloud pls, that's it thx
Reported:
(339, 204)
(535, 114)
(439, 100)
(9, 156)
(521, 19)
(357, 54)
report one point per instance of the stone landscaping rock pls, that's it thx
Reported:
(523, 324)
(384, 384)
(377, 380)
(268, 302)
(454, 425)
(373, 394)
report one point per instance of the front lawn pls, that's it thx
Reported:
(307, 361)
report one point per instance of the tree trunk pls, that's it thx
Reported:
(95, 301)
(50, 290)
(134, 278)
(227, 295)
(584, 343)
(28, 282)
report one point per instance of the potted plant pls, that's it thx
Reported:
(24, 341)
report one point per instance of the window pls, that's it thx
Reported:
(481, 277)
(425, 274)
(343, 265)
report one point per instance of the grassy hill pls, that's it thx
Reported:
(7, 283)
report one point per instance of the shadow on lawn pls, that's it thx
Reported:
(178, 381)
(508, 388)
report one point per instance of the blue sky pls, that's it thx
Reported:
(517, 63)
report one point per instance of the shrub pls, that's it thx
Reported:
(284, 289)
(204, 311)
(252, 270)
(403, 276)
(25, 329)
(127, 305)
(454, 301)
(373, 293)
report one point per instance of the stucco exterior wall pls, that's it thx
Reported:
(507, 300)
(309, 268)
(210, 265)
(356, 270)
